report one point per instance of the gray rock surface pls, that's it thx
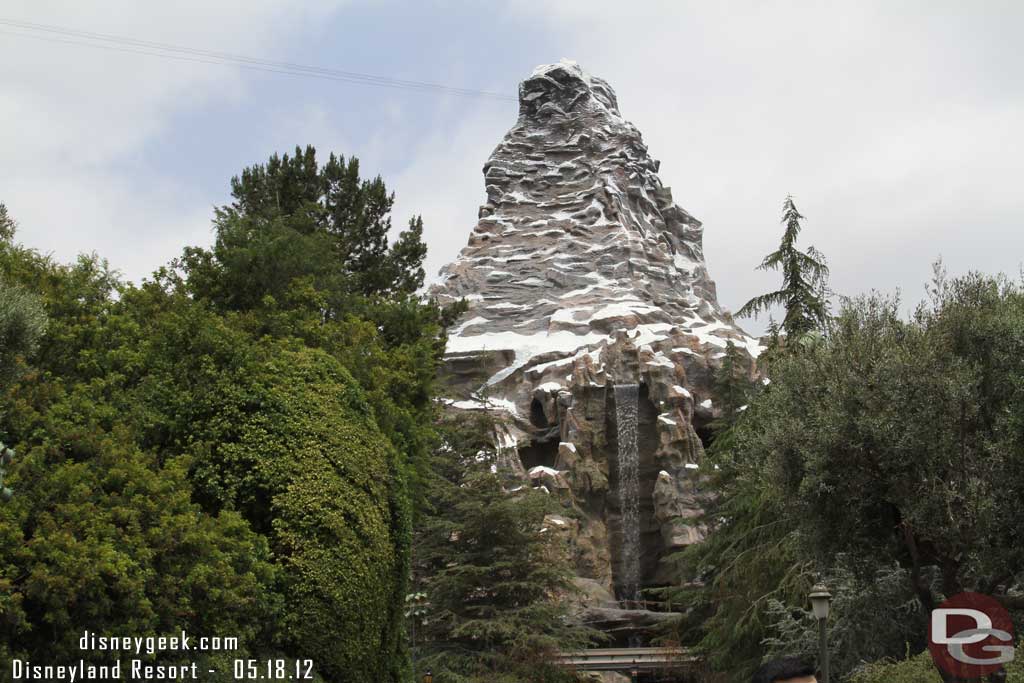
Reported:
(583, 273)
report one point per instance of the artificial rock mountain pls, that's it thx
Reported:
(590, 307)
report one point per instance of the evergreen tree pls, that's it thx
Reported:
(733, 386)
(804, 281)
(294, 220)
(303, 252)
(497, 579)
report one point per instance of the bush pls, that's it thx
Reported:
(919, 669)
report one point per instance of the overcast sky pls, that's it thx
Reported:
(896, 126)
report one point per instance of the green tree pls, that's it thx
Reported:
(733, 385)
(751, 559)
(495, 576)
(22, 322)
(181, 471)
(8, 226)
(897, 442)
(302, 252)
(920, 669)
(874, 616)
(22, 319)
(291, 220)
(104, 537)
(804, 281)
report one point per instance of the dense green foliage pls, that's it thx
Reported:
(22, 319)
(228, 448)
(302, 252)
(102, 534)
(910, 445)
(495, 572)
(804, 277)
(873, 617)
(919, 669)
(884, 458)
(750, 559)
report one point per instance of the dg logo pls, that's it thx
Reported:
(971, 635)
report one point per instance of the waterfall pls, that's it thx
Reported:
(627, 398)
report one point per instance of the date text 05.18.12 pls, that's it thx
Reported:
(273, 670)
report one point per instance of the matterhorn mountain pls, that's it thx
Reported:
(593, 328)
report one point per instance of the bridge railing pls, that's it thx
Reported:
(622, 659)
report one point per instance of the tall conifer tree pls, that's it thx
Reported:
(804, 281)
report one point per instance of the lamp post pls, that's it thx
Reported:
(428, 677)
(821, 600)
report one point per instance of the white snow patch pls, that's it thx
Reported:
(486, 404)
(660, 359)
(682, 390)
(525, 346)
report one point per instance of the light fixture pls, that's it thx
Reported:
(428, 677)
(821, 600)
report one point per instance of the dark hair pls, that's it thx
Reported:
(783, 669)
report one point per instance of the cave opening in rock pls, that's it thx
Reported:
(704, 431)
(537, 417)
(539, 453)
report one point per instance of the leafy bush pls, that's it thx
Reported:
(920, 669)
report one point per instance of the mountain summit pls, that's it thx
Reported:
(579, 238)
(592, 330)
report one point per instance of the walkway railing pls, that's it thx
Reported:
(625, 658)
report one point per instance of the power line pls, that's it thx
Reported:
(105, 41)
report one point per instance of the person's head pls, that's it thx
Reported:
(789, 670)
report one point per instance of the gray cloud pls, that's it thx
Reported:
(76, 122)
(896, 126)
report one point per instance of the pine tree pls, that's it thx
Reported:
(733, 386)
(293, 223)
(496, 578)
(804, 281)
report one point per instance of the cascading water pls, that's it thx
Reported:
(627, 398)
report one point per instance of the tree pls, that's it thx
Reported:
(293, 220)
(102, 536)
(804, 281)
(733, 386)
(494, 571)
(8, 226)
(752, 557)
(898, 442)
(22, 321)
(178, 469)
(874, 616)
(302, 252)
(920, 669)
